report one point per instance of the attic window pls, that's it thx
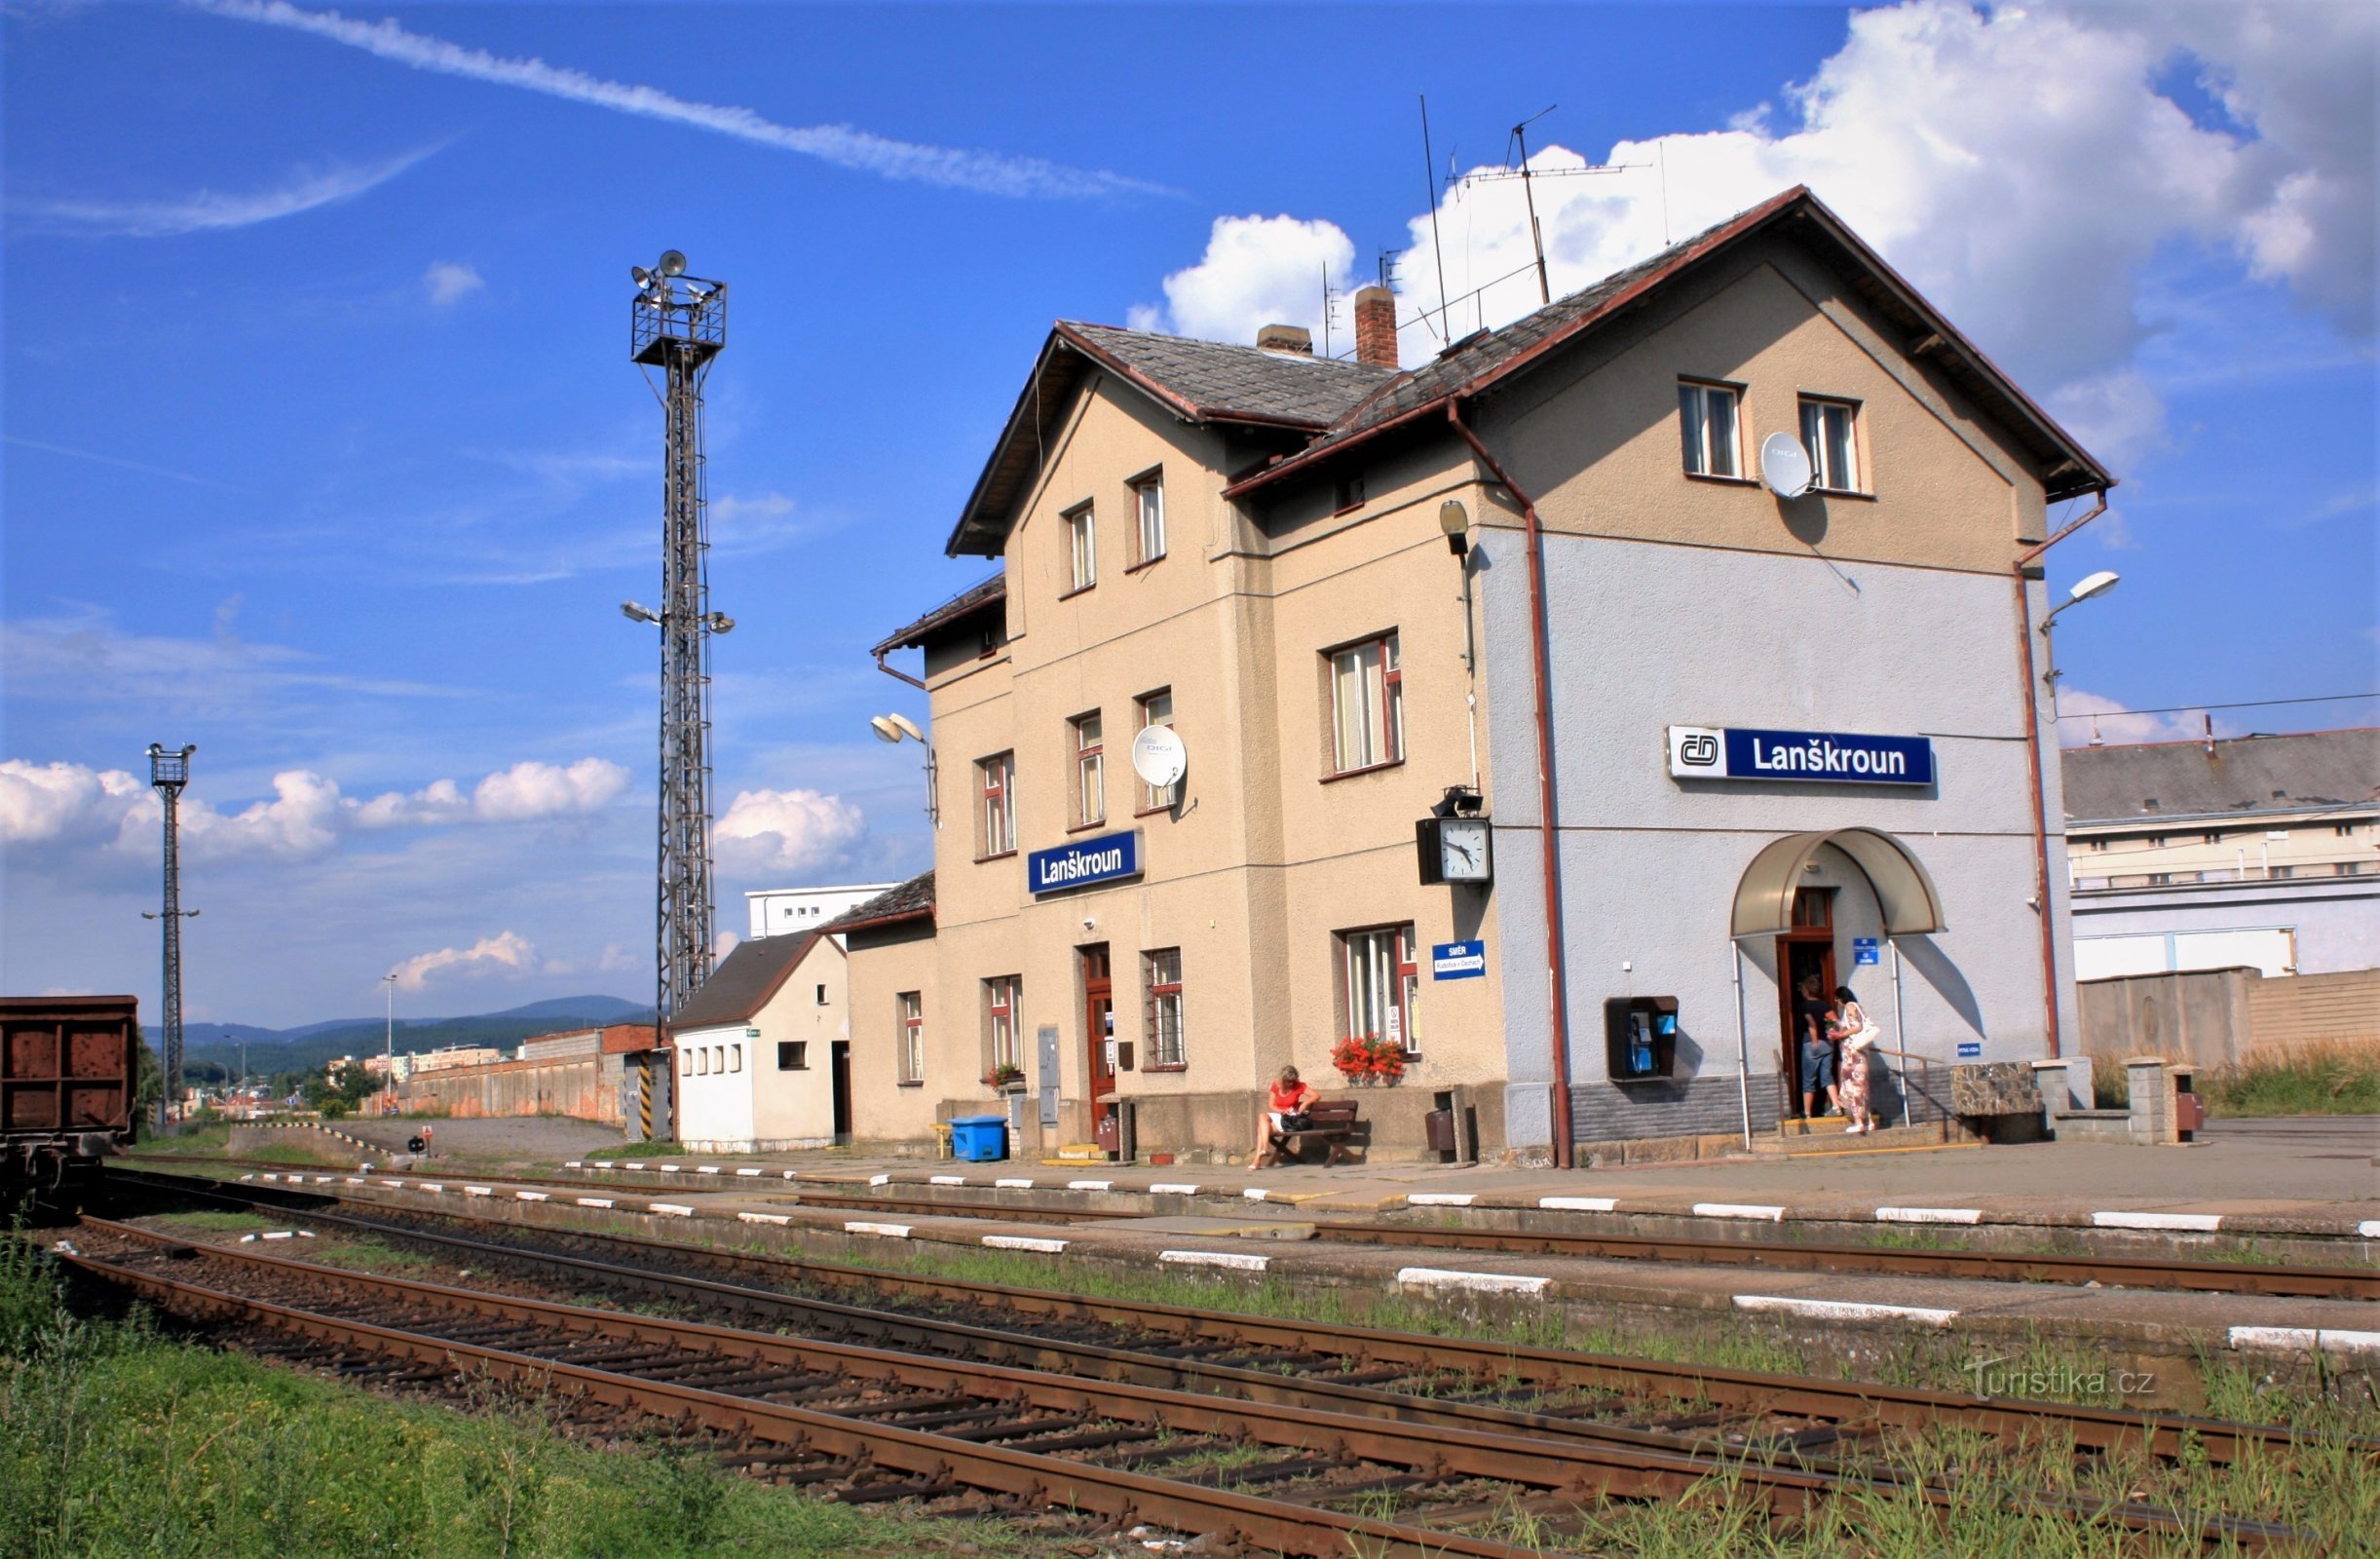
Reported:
(1349, 493)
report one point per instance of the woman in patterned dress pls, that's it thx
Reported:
(1852, 1027)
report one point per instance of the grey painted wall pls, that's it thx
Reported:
(2337, 918)
(1649, 635)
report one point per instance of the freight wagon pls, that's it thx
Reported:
(69, 1066)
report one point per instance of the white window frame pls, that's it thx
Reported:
(1156, 708)
(1149, 513)
(1088, 731)
(1003, 994)
(1162, 982)
(1380, 984)
(909, 1038)
(1367, 705)
(996, 798)
(1833, 469)
(1083, 549)
(1706, 454)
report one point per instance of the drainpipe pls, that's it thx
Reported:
(1556, 963)
(2032, 767)
(890, 671)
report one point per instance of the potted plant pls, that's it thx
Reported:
(1007, 1076)
(1369, 1062)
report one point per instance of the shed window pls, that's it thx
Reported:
(793, 1055)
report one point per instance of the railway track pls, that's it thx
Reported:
(2267, 1279)
(1294, 1473)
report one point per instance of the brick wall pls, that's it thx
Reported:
(2309, 1009)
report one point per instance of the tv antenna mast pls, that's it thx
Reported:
(168, 772)
(1518, 137)
(678, 324)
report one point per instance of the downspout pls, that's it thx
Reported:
(890, 671)
(1556, 963)
(2032, 767)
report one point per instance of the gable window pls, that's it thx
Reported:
(909, 1038)
(1000, 1004)
(821, 995)
(793, 1055)
(1161, 968)
(1367, 705)
(1827, 434)
(995, 789)
(1707, 417)
(1157, 709)
(1380, 985)
(1148, 495)
(1090, 769)
(735, 1059)
(1348, 493)
(1083, 547)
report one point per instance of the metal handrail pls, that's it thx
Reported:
(1929, 1063)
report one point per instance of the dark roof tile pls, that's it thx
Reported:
(743, 982)
(2305, 771)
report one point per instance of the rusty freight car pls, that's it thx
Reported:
(69, 1067)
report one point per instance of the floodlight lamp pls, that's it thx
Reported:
(672, 263)
(884, 730)
(637, 613)
(1456, 521)
(2099, 584)
(719, 623)
(906, 727)
(642, 277)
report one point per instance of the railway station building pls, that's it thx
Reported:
(1525, 745)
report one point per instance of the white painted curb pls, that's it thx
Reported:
(859, 1226)
(631, 1167)
(2200, 1223)
(1475, 1282)
(1170, 1189)
(707, 1170)
(1215, 1258)
(748, 1173)
(946, 1180)
(669, 1210)
(1013, 1185)
(2369, 1228)
(765, 1217)
(594, 1202)
(1256, 1193)
(478, 1191)
(669, 1168)
(880, 1180)
(1930, 1215)
(1845, 1310)
(1738, 1209)
(393, 1185)
(1441, 1199)
(532, 1196)
(428, 1185)
(1091, 1185)
(2306, 1337)
(1047, 1247)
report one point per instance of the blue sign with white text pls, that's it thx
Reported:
(1105, 859)
(1457, 960)
(1829, 755)
(1970, 1049)
(1863, 950)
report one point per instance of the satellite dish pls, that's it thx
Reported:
(672, 263)
(1784, 465)
(1159, 756)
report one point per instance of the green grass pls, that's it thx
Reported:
(638, 1150)
(2310, 1080)
(117, 1443)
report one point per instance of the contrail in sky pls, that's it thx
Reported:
(985, 172)
(207, 210)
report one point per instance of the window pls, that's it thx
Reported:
(1090, 769)
(1157, 709)
(996, 785)
(2098, 843)
(2210, 839)
(719, 1058)
(1706, 415)
(1827, 434)
(793, 1055)
(1348, 493)
(1380, 985)
(1367, 705)
(910, 1040)
(821, 995)
(735, 1059)
(1162, 969)
(1082, 544)
(1813, 909)
(702, 1061)
(1000, 1004)
(2345, 830)
(2281, 871)
(1150, 496)
(686, 1063)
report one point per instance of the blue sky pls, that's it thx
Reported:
(322, 448)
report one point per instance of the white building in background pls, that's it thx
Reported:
(2259, 852)
(764, 1049)
(784, 911)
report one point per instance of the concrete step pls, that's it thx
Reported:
(1803, 1138)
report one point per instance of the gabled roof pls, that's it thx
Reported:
(2312, 771)
(1205, 382)
(1480, 363)
(743, 984)
(967, 603)
(913, 899)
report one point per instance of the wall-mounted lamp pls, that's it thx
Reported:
(1456, 521)
(899, 728)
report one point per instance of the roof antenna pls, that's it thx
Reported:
(1329, 302)
(1519, 137)
(1429, 177)
(2209, 720)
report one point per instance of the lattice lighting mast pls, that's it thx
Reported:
(678, 325)
(168, 772)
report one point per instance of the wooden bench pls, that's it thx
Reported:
(1333, 1123)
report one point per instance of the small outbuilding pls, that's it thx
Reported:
(764, 1049)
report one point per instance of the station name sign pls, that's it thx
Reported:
(1105, 859)
(1833, 758)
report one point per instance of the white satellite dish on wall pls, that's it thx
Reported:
(1784, 465)
(1159, 756)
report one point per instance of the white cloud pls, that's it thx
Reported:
(2088, 720)
(66, 807)
(1256, 271)
(985, 172)
(787, 832)
(506, 952)
(208, 211)
(448, 282)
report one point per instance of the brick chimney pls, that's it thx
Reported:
(1376, 326)
(1286, 338)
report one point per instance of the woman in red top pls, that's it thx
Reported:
(1287, 1096)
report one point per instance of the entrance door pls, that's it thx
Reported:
(839, 1074)
(1805, 950)
(1099, 1034)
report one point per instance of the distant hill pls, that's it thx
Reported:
(311, 1045)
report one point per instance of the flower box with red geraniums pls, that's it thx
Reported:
(1369, 1062)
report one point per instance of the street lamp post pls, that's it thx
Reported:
(388, 1044)
(2099, 584)
(899, 728)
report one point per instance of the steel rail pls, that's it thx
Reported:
(2091, 1428)
(1564, 1466)
(2260, 1279)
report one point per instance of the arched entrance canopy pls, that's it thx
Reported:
(1764, 896)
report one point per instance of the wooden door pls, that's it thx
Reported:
(1099, 1038)
(840, 1083)
(1807, 949)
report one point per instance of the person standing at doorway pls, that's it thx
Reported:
(1811, 1013)
(1856, 1031)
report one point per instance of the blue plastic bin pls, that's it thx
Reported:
(979, 1138)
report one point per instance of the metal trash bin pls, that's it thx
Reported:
(979, 1138)
(1439, 1125)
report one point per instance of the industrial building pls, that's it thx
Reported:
(1508, 744)
(792, 911)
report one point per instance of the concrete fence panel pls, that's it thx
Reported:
(2218, 1017)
